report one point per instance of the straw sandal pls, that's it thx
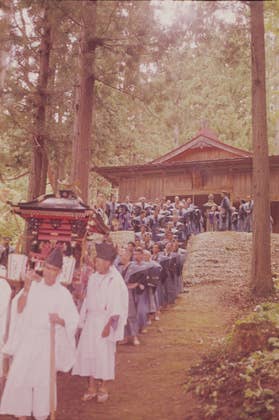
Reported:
(88, 396)
(102, 396)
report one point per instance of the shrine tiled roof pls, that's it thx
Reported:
(205, 138)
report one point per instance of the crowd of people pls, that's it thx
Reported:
(112, 298)
(181, 216)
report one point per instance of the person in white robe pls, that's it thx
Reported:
(27, 390)
(5, 296)
(103, 317)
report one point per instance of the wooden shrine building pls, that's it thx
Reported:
(199, 167)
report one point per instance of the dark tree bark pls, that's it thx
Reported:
(261, 278)
(39, 167)
(81, 150)
(5, 44)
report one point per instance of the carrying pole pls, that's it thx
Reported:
(52, 390)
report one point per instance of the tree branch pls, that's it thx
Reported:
(69, 16)
(132, 95)
(109, 20)
(15, 177)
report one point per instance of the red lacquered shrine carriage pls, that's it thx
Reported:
(61, 218)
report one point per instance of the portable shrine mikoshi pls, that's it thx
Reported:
(58, 218)
(61, 218)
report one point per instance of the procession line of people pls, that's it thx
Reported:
(44, 302)
(125, 292)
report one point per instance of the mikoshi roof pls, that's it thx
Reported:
(65, 201)
(62, 216)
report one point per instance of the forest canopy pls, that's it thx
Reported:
(158, 72)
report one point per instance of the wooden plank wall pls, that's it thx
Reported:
(158, 185)
(274, 184)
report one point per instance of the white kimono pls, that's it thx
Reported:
(5, 295)
(107, 296)
(28, 384)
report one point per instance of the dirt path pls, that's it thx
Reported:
(149, 378)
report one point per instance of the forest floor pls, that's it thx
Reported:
(151, 378)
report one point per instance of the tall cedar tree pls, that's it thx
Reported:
(81, 148)
(5, 43)
(39, 167)
(261, 280)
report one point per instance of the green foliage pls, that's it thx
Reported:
(240, 387)
(10, 224)
(268, 311)
(155, 85)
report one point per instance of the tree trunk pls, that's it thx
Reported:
(5, 44)
(276, 137)
(81, 149)
(261, 280)
(39, 167)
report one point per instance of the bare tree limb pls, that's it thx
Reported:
(15, 177)
(67, 14)
(109, 20)
(132, 95)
